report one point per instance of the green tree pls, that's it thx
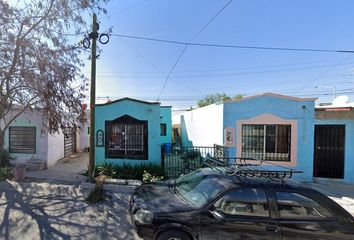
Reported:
(217, 97)
(238, 97)
(39, 62)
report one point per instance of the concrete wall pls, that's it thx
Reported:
(299, 114)
(348, 148)
(30, 119)
(330, 114)
(55, 147)
(135, 109)
(83, 137)
(202, 126)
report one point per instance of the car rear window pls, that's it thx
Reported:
(296, 206)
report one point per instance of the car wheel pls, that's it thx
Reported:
(173, 235)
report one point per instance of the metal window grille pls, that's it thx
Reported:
(22, 140)
(126, 140)
(266, 142)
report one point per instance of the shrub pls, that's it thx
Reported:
(128, 171)
(147, 177)
(97, 193)
(5, 173)
(106, 169)
(4, 158)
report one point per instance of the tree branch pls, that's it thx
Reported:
(19, 113)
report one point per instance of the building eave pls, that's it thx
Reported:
(275, 95)
(128, 99)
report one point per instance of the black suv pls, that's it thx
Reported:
(211, 203)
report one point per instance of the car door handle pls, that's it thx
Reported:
(271, 228)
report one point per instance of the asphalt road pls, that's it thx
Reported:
(40, 210)
(51, 205)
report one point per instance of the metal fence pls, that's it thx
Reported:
(187, 159)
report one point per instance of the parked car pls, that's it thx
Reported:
(209, 203)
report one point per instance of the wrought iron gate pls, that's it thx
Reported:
(69, 141)
(329, 151)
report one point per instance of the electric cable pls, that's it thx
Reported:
(322, 74)
(234, 46)
(186, 45)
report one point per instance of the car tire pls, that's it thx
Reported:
(173, 235)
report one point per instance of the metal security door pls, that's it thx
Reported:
(69, 141)
(329, 151)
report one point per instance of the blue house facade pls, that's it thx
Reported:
(130, 131)
(271, 127)
(282, 130)
(334, 141)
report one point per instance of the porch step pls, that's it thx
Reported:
(36, 165)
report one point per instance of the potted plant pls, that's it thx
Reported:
(19, 172)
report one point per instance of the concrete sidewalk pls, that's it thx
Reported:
(341, 193)
(51, 204)
(69, 169)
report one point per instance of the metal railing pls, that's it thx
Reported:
(187, 159)
(250, 167)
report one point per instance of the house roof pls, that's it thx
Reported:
(276, 96)
(340, 103)
(128, 99)
(333, 109)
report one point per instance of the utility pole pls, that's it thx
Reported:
(93, 36)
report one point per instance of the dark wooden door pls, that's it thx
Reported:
(69, 141)
(329, 151)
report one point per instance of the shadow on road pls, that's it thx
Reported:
(57, 211)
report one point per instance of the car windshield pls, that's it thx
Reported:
(198, 188)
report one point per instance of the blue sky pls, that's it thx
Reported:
(138, 68)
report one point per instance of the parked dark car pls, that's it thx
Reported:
(209, 203)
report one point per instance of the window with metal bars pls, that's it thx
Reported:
(126, 138)
(22, 140)
(266, 142)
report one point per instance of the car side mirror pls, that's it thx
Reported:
(216, 214)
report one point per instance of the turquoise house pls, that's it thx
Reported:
(131, 131)
(271, 127)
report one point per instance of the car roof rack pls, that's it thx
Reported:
(249, 167)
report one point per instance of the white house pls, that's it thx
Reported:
(28, 137)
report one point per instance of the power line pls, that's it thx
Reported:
(230, 74)
(195, 98)
(186, 45)
(193, 95)
(323, 74)
(153, 65)
(129, 7)
(170, 72)
(221, 69)
(212, 19)
(234, 46)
